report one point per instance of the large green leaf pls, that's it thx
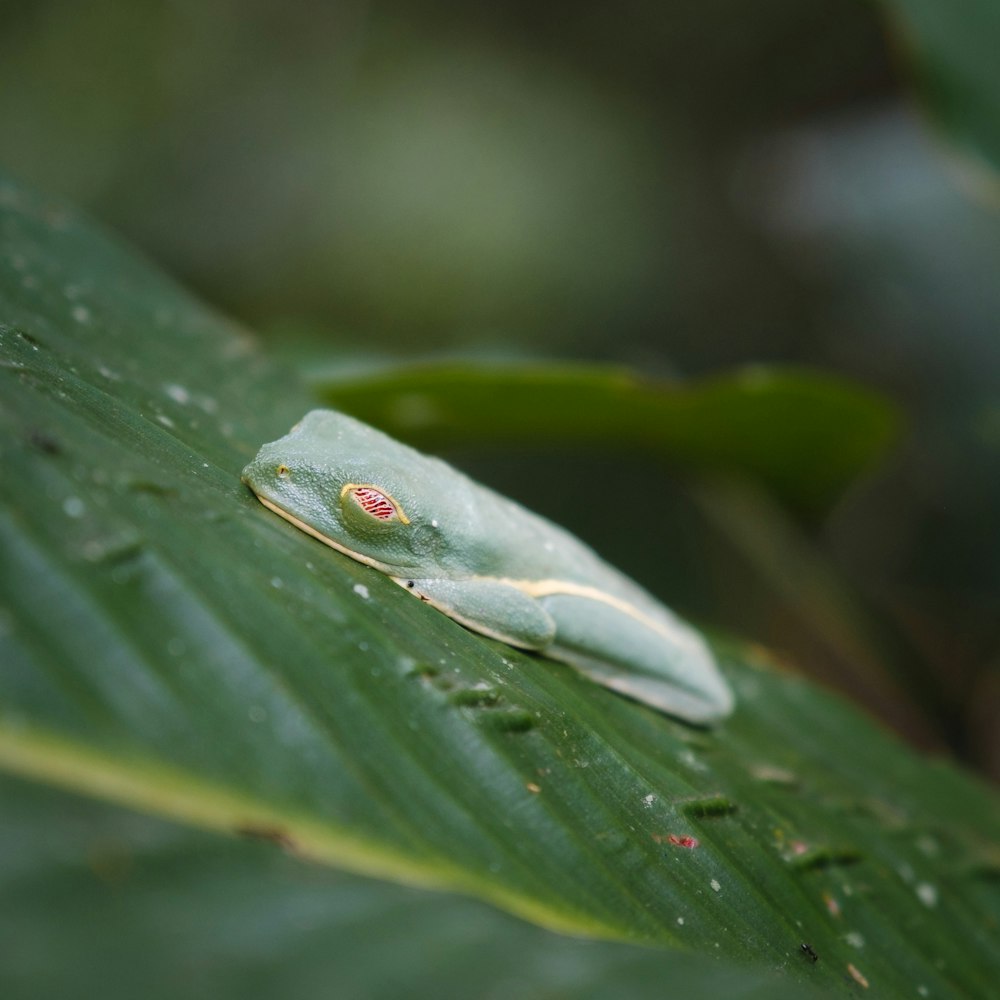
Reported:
(169, 644)
(188, 914)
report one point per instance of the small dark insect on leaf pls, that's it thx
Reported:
(809, 952)
(45, 442)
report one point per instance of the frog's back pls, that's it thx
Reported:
(518, 544)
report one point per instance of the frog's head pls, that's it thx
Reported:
(352, 487)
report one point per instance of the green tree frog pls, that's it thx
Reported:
(484, 561)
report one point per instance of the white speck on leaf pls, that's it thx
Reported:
(177, 393)
(73, 507)
(361, 590)
(854, 939)
(81, 314)
(716, 887)
(649, 800)
(927, 894)
(680, 920)
(688, 759)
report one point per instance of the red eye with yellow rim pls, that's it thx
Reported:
(374, 502)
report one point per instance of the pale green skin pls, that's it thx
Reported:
(487, 562)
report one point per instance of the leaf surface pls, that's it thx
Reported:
(186, 913)
(169, 644)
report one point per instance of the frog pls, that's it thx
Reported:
(486, 561)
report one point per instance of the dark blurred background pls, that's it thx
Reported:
(680, 187)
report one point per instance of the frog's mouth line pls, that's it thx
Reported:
(310, 530)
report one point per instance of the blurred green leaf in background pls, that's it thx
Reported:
(762, 245)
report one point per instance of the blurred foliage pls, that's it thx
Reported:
(434, 174)
(171, 645)
(952, 56)
(803, 435)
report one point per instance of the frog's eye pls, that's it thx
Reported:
(373, 501)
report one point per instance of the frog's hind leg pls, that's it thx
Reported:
(665, 665)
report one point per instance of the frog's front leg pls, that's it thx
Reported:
(491, 607)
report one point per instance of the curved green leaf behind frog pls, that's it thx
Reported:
(485, 561)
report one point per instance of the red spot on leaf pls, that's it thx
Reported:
(689, 842)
